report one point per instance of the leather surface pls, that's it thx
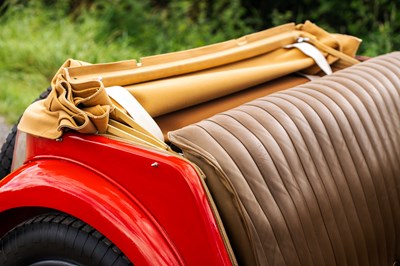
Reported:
(309, 175)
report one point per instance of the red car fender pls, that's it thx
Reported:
(86, 195)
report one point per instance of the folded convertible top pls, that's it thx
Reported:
(170, 82)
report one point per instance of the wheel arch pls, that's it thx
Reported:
(48, 185)
(12, 217)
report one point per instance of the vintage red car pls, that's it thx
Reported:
(277, 148)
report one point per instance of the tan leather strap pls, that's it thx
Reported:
(342, 56)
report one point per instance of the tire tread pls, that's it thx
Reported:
(79, 236)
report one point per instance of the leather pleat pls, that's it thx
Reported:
(312, 172)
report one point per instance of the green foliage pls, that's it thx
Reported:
(34, 42)
(37, 36)
(180, 25)
(377, 22)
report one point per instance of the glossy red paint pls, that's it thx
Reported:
(163, 188)
(69, 188)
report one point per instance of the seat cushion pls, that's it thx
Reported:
(309, 175)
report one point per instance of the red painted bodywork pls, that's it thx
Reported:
(157, 215)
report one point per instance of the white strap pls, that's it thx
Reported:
(314, 53)
(135, 110)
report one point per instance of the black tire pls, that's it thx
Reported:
(58, 239)
(7, 150)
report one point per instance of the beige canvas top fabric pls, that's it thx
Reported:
(170, 82)
(309, 175)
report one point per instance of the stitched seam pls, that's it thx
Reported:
(290, 165)
(277, 169)
(305, 108)
(242, 174)
(241, 204)
(316, 101)
(339, 111)
(273, 100)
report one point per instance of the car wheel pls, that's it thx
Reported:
(58, 239)
(7, 150)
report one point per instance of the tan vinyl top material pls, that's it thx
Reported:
(196, 113)
(168, 83)
(309, 175)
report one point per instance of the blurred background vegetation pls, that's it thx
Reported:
(37, 36)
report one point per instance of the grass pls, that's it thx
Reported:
(32, 50)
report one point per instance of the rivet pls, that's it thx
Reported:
(155, 164)
(59, 139)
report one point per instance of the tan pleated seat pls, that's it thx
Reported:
(309, 175)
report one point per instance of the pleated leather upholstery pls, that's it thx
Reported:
(309, 175)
